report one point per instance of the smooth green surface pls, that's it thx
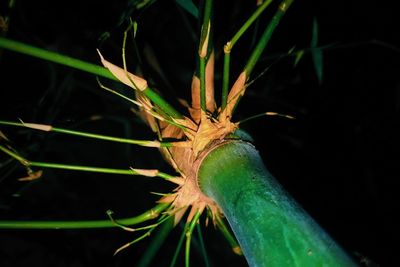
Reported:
(271, 228)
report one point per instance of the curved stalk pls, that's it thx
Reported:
(272, 229)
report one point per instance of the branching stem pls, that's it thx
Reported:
(266, 36)
(229, 45)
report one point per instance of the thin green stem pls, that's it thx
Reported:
(49, 128)
(14, 155)
(225, 79)
(266, 36)
(228, 47)
(86, 224)
(156, 243)
(55, 57)
(202, 246)
(205, 44)
(146, 234)
(203, 84)
(124, 44)
(228, 236)
(249, 22)
(100, 170)
(189, 232)
(143, 172)
(160, 102)
(205, 50)
(84, 66)
(150, 111)
(266, 114)
(179, 246)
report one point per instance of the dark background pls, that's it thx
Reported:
(339, 158)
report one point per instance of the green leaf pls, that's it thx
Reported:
(316, 53)
(189, 7)
(298, 56)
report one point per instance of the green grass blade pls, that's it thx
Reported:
(316, 52)
(189, 7)
(86, 224)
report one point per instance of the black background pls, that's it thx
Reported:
(339, 158)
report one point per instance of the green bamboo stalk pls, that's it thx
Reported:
(85, 224)
(272, 229)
